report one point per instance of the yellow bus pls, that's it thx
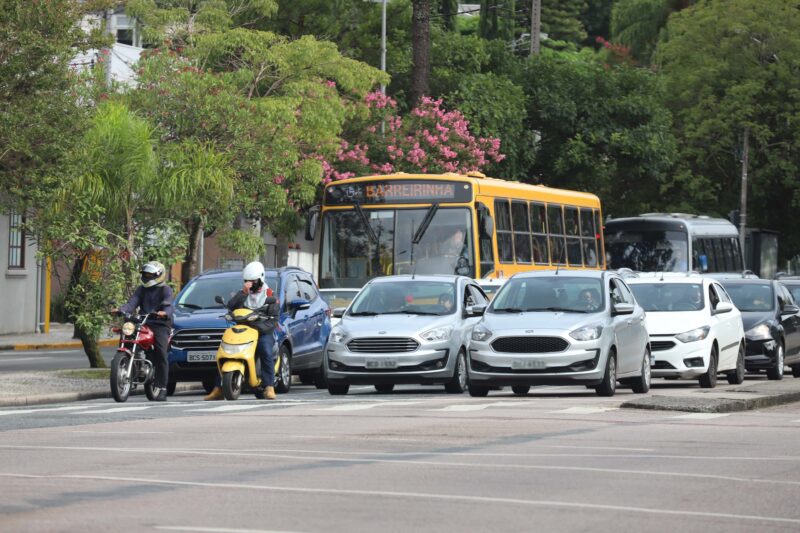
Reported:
(451, 224)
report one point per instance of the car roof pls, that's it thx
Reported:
(563, 272)
(219, 273)
(746, 281)
(674, 280)
(340, 289)
(417, 277)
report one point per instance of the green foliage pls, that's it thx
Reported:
(730, 66)
(561, 20)
(497, 20)
(637, 24)
(241, 243)
(596, 19)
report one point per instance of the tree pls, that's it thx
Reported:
(561, 20)
(497, 20)
(639, 24)
(729, 67)
(420, 50)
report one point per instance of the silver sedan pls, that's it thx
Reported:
(405, 329)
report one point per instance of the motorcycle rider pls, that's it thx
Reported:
(154, 296)
(256, 295)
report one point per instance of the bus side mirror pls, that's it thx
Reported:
(703, 263)
(311, 223)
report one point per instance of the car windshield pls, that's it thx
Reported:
(549, 293)
(750, 297)
(405, 297)
(200, 293)
(795, 291)
(339, 297)
(669, 296)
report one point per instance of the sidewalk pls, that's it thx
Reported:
(60, 336)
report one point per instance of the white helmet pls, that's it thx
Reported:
(153, 273)
(253, 271)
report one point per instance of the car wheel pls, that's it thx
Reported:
(641, 385)
(283, 377)
(608, 386)
(208, 386)
(384, 388)
(171, 385)
(737, 376)
(776, 372)
(520, 390)
(709, 379)
(338, 389)
(458, 383)
(796, 371)
(477, 391)
(319, 378)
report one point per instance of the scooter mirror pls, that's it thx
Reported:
(219, 299)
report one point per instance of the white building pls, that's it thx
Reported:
(21, 279)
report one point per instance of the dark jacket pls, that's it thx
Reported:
(151, 300)
(270, 308)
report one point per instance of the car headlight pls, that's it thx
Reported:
(588, 333)
(233, 349)
(760, 332)
(128, 328)
(337, 335)
(481, 333)
(437, 334)
(696, 334)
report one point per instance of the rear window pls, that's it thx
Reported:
(750, 297)
(669, 297)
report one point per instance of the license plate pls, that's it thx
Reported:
(381, 363)
(201, 357)
(527, 364)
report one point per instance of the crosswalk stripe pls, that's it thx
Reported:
(27, 411)
(585, 410)
(116, 410)
(464, 407)
(362, 406)
(226, 408)
(699, 416)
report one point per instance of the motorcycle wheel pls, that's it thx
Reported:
(151, 391)
(232, 385)
(120, 380)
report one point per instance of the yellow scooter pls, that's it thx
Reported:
(236, 355)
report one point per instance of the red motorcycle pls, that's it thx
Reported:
(130, 366)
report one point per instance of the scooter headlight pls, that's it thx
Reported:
(128, 328)
(233, 349)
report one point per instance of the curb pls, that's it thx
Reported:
(21, 401)
(53, 345)
(711, 405)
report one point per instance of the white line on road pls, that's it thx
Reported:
(437, 496)
(699, 416)
(217, 529)
(481, 406)
(40, 352)
(35, 358)
(585, 410)
(29, 411)
(225, 408)
(363, 405)
(116, 410)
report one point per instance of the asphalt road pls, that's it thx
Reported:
(61, 359)
(560, 459)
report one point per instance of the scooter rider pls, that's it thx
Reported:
(256, 295)
(154, 296)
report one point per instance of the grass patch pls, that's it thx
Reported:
(86, 373)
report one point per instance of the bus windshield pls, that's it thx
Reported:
(360, 244)
(648, 250)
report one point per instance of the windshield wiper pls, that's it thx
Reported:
(508, 310)
(365, 221)
(556, 309)
(364, 313)
(412, 312)
(190, 306)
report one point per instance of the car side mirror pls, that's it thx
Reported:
(790, 309)
(475, 310)
(219, 299)
(622, 309)
(299, 304)
(338, 312)
(723, 307)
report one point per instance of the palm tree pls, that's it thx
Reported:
(638, 24)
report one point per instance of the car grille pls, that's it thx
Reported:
(198, 339)
(662, 365)
(382, 345)
(658, 346)
(530, 344)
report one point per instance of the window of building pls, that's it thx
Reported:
(16, 241)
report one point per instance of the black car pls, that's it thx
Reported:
(771, 324)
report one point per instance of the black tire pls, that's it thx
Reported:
(737, 376)
(458, 383)
(151, 391)
(608, 386)
(171, 385)
(776, 372)
(208, 385)
(709, 379)
(338, 389)
(283, 378)
(796, 371)
(384, 388)
(477, 391)
(521, 390)
(120, 381)
(232, 384)
(641, 385)
(320, 381)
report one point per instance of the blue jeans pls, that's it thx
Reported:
(265, 350)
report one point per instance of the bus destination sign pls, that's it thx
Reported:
(399, 192)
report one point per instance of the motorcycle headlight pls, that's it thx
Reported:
(481, 333)
(437, 334)
(588, 333)
(233, 349)
(694, 335)
(128, 328)
(337, 335)
(759, 333)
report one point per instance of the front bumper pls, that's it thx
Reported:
(430, 363)
(761, 354)
(674, 358)
(182, 370)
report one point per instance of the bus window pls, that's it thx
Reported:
(522, 232)
(485, 239)
(711, 255)
(505, 245)
(720, 255)
(598, 228)
(588, 241)
(699, 256)
(572, 223)
(736, 254)
(555, 223)
(541, 252)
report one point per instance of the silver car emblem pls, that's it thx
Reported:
(528, 331)
(204, 337)
(381, 333)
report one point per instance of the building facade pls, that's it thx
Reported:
(21, 278)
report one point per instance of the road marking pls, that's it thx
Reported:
(218, 487)
(37, 357)
(699, 416)
(463, 407)
(40, 352)
(116, 410)
(225, 408)
(217, 529)
(28, 411)
(585, 410)
(363, 405)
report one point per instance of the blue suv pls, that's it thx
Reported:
(302, 332)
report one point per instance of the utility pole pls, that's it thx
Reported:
(109, 50)
(383, 44)
(743, 207)
(536, 25)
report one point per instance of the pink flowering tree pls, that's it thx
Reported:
(429, 139)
